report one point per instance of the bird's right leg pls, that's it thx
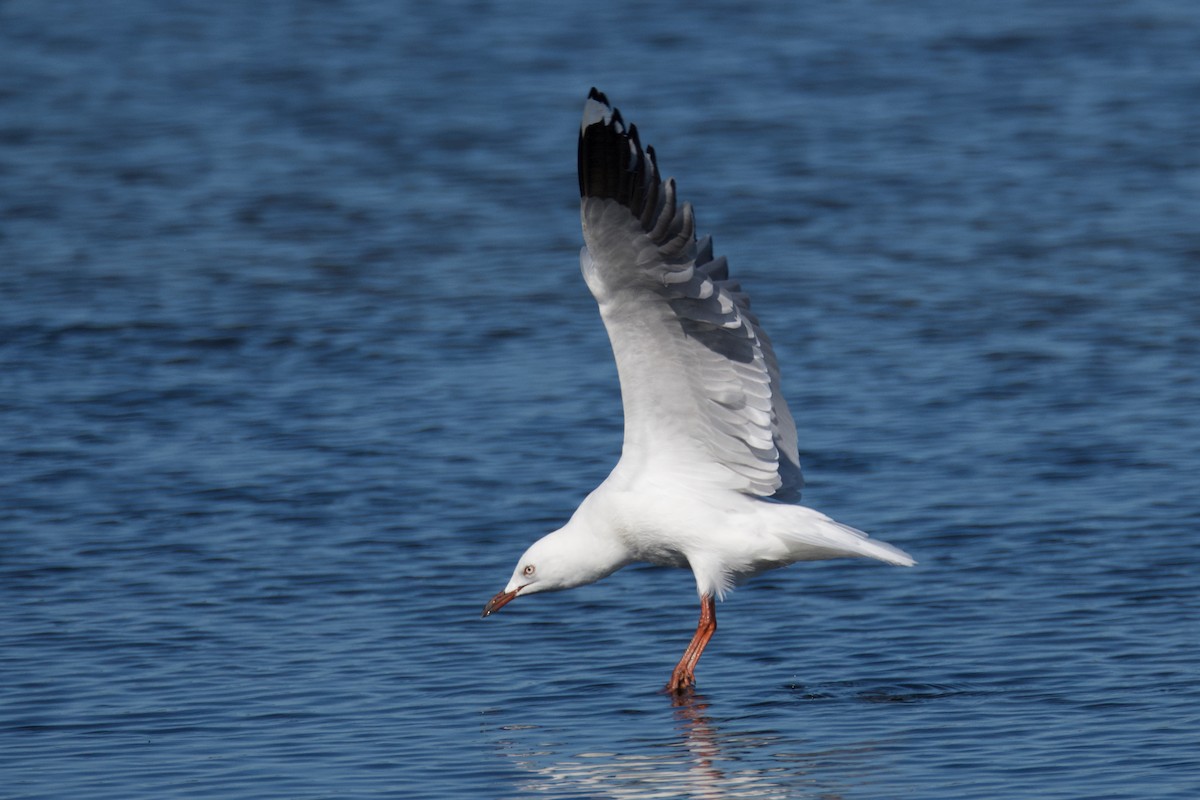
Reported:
(683, 677)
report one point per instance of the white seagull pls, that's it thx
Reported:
(709, 474)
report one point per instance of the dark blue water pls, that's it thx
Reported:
(295, 360)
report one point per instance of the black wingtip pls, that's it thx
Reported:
(612, 163)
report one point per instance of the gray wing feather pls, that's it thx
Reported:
(684, 336)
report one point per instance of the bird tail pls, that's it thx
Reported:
(822, 532)
(864, 545)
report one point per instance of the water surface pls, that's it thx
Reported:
(295, 360)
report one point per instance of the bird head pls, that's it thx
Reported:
(570, 556)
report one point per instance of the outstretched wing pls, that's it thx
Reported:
(699, 380)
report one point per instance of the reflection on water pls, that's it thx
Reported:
(701, 757)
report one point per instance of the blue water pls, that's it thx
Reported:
(295, 360)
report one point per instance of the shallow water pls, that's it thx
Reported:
(295, 360)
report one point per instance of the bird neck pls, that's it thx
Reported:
(593, 554)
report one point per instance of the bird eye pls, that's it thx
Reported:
(528, 570)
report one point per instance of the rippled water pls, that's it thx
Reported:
(295, 360)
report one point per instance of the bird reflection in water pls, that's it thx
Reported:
(701, 761)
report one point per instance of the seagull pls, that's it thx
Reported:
(709, 475)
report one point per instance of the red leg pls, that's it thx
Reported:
(683, 678)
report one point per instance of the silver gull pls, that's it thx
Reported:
(709, 475)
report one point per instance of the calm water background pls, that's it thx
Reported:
(295, 360)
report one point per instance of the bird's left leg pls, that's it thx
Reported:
(683, 677)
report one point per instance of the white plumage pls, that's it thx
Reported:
(709, 473)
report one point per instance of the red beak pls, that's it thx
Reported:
(498, 602)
